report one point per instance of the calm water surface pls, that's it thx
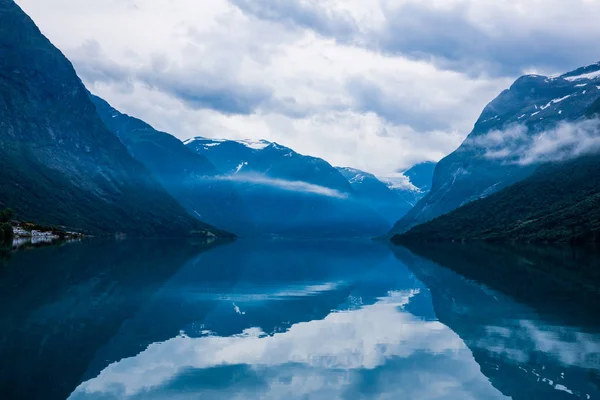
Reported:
(280, 319)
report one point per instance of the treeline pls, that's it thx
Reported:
(559, 203)
(6, 230)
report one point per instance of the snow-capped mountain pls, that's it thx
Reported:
(288, 193)
(243, 157)
(532, 122)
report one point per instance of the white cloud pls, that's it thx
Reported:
(517, 145)
(326, 78)
(292, 186)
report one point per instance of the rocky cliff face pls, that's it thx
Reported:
(491, 157)
(59, 164)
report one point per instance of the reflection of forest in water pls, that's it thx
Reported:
(60, 303)
(529, 314)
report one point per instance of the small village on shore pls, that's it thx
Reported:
(17, 234)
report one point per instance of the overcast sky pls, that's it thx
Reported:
(373, 84)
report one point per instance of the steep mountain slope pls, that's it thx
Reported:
(488, 160)
(188, 176)
(558, 203)
(288, 193)
(59, 164)
(390, 203)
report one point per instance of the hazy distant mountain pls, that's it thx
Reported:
(390, 202)
(421, 175)
(59, 163)
(188, 176)
(290, 194)
(532, 122)
(271, 159)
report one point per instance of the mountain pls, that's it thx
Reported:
(242, 157)
(559, 203)
(503, 147)
(59, 163)
(390, 203)
(188, 176)
(421, 175)
(289, 194)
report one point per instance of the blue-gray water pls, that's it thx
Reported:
(279, 319)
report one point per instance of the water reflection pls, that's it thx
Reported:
(545, 346)
(275, 319)
(61, 303)
(323, 320)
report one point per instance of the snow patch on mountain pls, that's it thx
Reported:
(239, 167)
(589, 75)
(354, 175)
(555, 101)
(254, 144)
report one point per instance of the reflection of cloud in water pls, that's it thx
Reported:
(255, 293)
(568, 345)
(328, 358)
(523, 340)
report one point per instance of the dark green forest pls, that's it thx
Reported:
(559, 203)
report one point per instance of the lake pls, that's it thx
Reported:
(167, 319)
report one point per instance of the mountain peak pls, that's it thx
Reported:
(253, 144)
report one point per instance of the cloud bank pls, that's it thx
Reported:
(375, 84)
(518, 145)
(290, 186)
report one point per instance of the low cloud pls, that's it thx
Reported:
(519, 145)
(291, 186)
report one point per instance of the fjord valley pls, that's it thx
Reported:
(70, 159)
(296, 215)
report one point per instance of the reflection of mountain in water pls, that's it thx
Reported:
(267, 284)
(290, 320)
(60, 304)
(537, 336)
